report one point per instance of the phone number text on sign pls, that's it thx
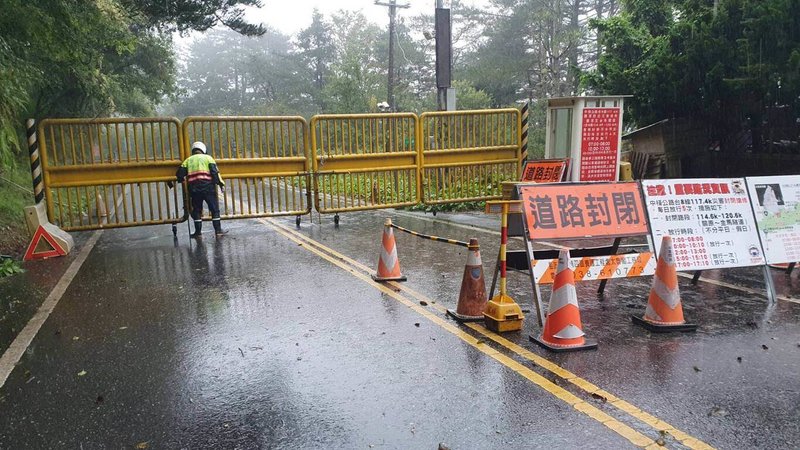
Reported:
(710, 221)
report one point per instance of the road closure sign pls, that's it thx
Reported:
(544, 170)
(582, 210)
(776, 201)
(599, 144)
(710, 221)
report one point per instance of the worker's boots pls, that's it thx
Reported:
(218, 228)
(198, 229)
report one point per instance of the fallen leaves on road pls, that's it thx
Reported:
(81, 373)
(717, 411)
(599, 397)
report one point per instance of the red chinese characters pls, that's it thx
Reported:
(599, 144)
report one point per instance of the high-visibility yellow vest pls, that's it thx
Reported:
(199, 168)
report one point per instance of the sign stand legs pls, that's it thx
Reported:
(696, 277)
(537, 294)
(614, 248)
(770, 284)
(494, 277)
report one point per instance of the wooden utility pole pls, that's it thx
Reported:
(392, 5)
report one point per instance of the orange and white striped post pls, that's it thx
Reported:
(502, 312)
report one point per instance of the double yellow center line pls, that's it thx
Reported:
(404, 295)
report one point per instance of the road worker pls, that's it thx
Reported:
(200, 170)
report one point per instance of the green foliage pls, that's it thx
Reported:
(71, 58)
(9, 266)
(470, 98)
(721, 66)
(14, 195)
(197, 15)
(316, 55)
(230, 74)
(356, 71)
(13, 86)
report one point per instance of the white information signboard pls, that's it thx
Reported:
(777, 207)
(710, 221)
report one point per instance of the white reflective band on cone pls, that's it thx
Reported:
(670, 297)
(474, 258)
(569, 332)
(563, 296)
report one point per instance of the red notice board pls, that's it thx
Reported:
(599, 144)
(544, 170)
(582, 210)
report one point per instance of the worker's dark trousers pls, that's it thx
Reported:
(206, 194)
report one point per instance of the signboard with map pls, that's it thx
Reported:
(776, 202)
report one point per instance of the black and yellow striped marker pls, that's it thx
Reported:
(524, 142)
(36, 166)
(433, 238)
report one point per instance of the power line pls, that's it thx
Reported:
(392, 5)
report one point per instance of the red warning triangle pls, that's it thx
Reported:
(34, 253)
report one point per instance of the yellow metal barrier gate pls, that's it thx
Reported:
(364, 161)
(102, 173)
(467, 154)
(263, 160)
(109, 173)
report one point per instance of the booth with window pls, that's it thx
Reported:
(588, 130)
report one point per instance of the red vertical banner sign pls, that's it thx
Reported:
(600, 144)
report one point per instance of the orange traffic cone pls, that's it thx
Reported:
(388, 264)
(563, 331)
(472, 298)
(664, 312)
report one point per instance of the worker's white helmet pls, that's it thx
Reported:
(199, 146)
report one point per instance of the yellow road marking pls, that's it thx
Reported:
(545, 363)
(589, 410)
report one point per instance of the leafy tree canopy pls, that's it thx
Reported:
(95, 57)
(724, 63)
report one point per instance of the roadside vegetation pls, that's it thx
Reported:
(68, 58)
(14, 196)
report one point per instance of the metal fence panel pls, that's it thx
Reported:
(111, 172)
(466, 155)
(365, 161)
(263, 160)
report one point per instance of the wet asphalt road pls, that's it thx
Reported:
(255, 341)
